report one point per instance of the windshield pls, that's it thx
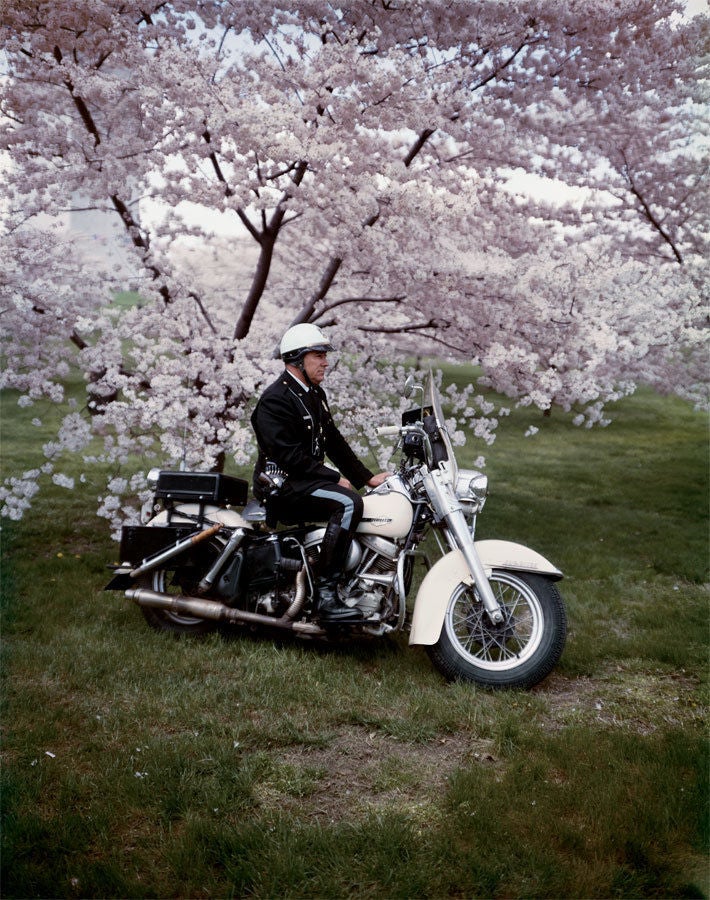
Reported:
(433, 399)
(431, 415)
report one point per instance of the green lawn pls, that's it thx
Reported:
(135, 765)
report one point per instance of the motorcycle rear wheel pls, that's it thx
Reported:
(519, 652)
(167, 581)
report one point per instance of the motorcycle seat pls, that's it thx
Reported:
(255, 512)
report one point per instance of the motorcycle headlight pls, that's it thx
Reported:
(472, 489)
(152, 478)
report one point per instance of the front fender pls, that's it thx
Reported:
(515, 557)
(451, 570)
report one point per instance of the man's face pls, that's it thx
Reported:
(315, 364)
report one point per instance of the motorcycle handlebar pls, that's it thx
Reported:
(388, 430)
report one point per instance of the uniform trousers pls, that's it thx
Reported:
(325, 501)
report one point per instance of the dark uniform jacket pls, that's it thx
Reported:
(294, 429)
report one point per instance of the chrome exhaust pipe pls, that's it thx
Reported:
(300, 595)
(213, 609)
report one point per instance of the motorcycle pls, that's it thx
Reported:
(487, 611)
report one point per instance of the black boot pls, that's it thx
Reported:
(333, 553)
(329, 606)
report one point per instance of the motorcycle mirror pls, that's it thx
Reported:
(410, 386)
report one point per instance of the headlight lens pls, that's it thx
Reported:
(472, 489)
(152, 478)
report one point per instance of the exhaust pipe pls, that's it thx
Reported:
(219, 612)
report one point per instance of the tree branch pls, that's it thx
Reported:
(215, 164)
(263, 267)
(496, 72)
(428, 132)
(417, 146)
(401, 329)
(346, 300)
(326, 281)
(228, 192)
(246, 221)
(140, 241)
(202, 309)
(647, 211)
(405, 329)
(79, 102)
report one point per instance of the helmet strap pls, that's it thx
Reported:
(298, 364)
(305, 374)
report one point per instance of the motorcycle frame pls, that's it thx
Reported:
(202, 607)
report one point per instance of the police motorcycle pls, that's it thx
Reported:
(487, 612)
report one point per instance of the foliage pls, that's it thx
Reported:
(366, 152)
(135, 765)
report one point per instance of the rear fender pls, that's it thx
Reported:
(227, 517)
(451, 570)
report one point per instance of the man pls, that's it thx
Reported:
(295, 431)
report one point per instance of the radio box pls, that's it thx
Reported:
(202, 487)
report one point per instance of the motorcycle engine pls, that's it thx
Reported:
(313, 540)
(368, 555)
(261, 576)
(378, 559)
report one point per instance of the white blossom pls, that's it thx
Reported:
(64, 481)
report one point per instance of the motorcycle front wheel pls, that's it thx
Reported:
(516, 653)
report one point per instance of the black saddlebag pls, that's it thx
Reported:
(202, 487)
(139, 542)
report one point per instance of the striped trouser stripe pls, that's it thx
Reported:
(343, 500)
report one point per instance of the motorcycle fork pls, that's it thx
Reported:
(450, 511)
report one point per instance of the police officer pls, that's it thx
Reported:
(295, 432)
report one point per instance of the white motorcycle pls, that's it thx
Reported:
(487, 611)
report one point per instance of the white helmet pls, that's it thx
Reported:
(302, 339)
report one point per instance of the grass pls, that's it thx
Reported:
(135, 765)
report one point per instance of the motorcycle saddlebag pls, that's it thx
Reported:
(140, 542)
(202, 487)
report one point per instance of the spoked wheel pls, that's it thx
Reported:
(519, 651)
(175, 582)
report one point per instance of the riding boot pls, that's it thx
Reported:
(330, 607)
(333, 554)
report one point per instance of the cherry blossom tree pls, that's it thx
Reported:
(368, 152)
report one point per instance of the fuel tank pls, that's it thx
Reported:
(386, 514)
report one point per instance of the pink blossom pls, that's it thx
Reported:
(374, 168)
